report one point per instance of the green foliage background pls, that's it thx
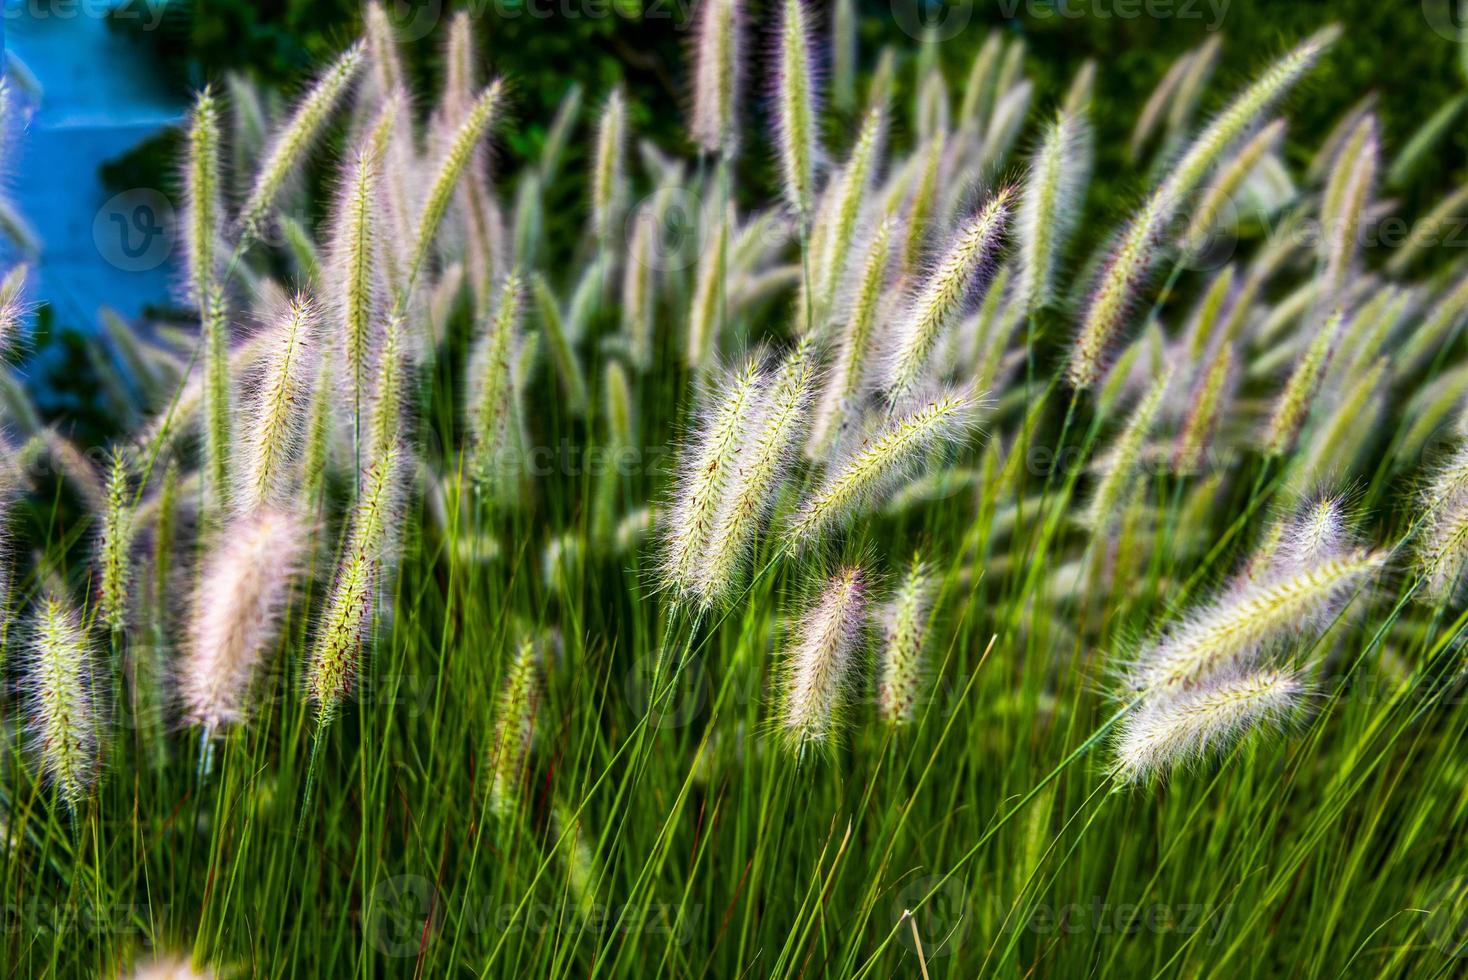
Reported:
(1390, 48)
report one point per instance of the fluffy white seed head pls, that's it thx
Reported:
(277, 414)
(1049, 207)
(854, 480)
(820, 664)
(1168, 731)
(203, 214)
(1132, 261)
(902, 675)
(290, 145)
(352, 605)
(709, 468)
(717, 76)
(240, 601)
(797, 104)
(769, 448)
(458, 154)
(64, 717)
(608, 179)
(514, 730)
(1238, 627)
(968, 261)
(494, 410)
(1442, 542)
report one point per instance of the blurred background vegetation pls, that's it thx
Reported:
(544, 46)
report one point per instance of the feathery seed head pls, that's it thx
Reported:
(1131, 264)
(797, 108)
(1166, 731)
(1236, 628)
(820, 664)
(1049, 206)
(969, 261)
(764, 456)
(903, 671)
(514, 729)
(717, 74)
(241, 598)
(710, 465)
(114, 559)
(890, 454)
(1442, 543)
(201, 186)
(64, 717)
(277, 416)
(1292, 409)
(291, 144)
(608, 180)
(351, 609)
(476, 123)
(493, 404)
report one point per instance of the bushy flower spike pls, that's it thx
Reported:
(853, 481)
(1346, 198)
(1050, 206)
(639, 309)
(764, 458)
(850, 194)
(608, 180)
(1320, 531)
(238, 608)
(1442, 541)
(853, 353)
(1121, 467)
(704, 315)
(277, 416)
(203, 215)
(357, 282)
(820, 665)
(1212, 205)
(903, 671)
(1295, 401)
(1191, 726)
(114, 557)
(1132, 261)
(1234, 629)
(13, 305)
(333, 664)
(494, 411)
(1204, 411)
(382, 49)
(514, 729)
(64, 717)
(797, 108)
(460, 151)
(218, 402)
(717, 76)
(291, 144)
(385, 428)
(710, 467)
(968, 262)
